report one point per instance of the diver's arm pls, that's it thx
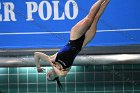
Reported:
(37, 57)
(60, 73)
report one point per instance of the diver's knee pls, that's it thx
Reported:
(87, 20)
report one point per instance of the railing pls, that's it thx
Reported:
(88, 56)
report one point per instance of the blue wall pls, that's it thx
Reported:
(119, 25)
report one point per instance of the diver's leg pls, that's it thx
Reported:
(81, 27)
(92, 30)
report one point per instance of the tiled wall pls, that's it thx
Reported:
(81, 79)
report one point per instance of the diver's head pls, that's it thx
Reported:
(51, 75)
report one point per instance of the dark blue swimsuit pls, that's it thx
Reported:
(67, 54)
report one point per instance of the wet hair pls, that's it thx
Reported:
(55, 78)
(58, 83)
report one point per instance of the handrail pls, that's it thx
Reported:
(28, 61)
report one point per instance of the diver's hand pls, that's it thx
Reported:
(40, 69)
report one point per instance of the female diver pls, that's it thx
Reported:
(81, 34)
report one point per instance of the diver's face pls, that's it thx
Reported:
(51, 75)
